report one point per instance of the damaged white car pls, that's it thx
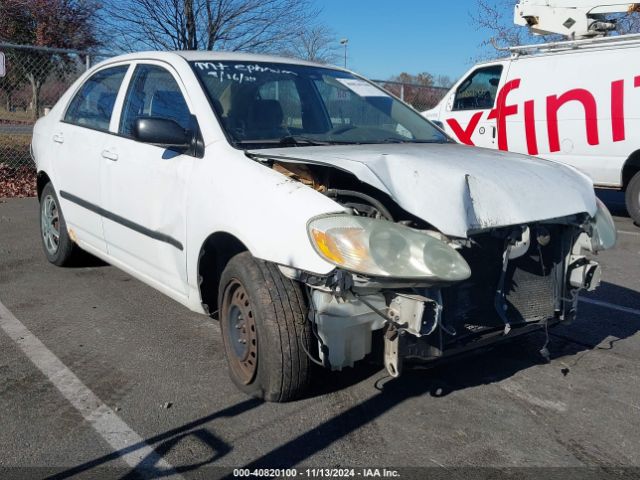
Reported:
(309, 211)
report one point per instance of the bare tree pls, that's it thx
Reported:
(424, 79)
(443, 81)
(495, 17)
(237, 25)
(421, 90)
(316, 44)
(629, 23)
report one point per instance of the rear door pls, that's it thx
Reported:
(145, 185)
(78, 142)
(467, 109)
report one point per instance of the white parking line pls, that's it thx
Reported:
(127, 443)
(612, 306)
(637, 234)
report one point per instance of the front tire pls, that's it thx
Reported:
(264, 330)
(58, 247)
(632, 198)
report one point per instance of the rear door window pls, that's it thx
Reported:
(92, 106)
(478, 91)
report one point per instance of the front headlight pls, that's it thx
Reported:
(384, 249)
(604, 229)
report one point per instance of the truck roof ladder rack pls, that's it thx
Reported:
(573, 44)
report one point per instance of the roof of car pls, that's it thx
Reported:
(205, 56)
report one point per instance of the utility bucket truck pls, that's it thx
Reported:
(575, 101)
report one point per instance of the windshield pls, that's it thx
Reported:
(265, 104)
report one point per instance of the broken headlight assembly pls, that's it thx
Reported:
(381, 248)
(604, 233)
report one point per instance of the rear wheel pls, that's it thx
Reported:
(58, 247)
(632, 198)
(264, 330)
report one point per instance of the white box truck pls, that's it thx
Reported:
(575, 102)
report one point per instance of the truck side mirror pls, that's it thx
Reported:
(450, 101)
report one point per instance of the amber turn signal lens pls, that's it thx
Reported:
(327, 246)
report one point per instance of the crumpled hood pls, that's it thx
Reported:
(456, 188)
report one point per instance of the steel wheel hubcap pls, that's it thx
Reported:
(241, 335)
(50, 223)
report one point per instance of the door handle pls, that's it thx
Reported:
(110, 155)
(493, 130)
(58, 138)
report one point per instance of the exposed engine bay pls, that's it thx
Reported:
(522, 278)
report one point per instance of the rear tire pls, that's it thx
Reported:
(632, 198)
(57, 245)
(264, 326)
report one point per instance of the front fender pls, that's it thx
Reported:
(265, 210)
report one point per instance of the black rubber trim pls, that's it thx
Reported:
(162, 237)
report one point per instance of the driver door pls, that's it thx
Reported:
(468, 106)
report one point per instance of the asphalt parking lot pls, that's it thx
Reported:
(126, 366)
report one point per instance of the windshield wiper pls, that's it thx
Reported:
(407, 140)
(301, 140)
(289, 140)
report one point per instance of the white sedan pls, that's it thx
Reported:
(310, 212)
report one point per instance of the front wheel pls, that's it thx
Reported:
(632, 198)
(264, 330)
(58, 247)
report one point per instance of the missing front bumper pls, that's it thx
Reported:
(400, 346)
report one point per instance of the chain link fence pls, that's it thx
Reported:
(32, 81)
(420, 97)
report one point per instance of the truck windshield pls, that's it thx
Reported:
(262, 105)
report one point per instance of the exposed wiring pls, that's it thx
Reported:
(314, 329)
(499, 301)
(373, 308)
(314, 360)
(541, 260)
(544, 351)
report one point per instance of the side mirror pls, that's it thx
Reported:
(450, 102)
(162, 132)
